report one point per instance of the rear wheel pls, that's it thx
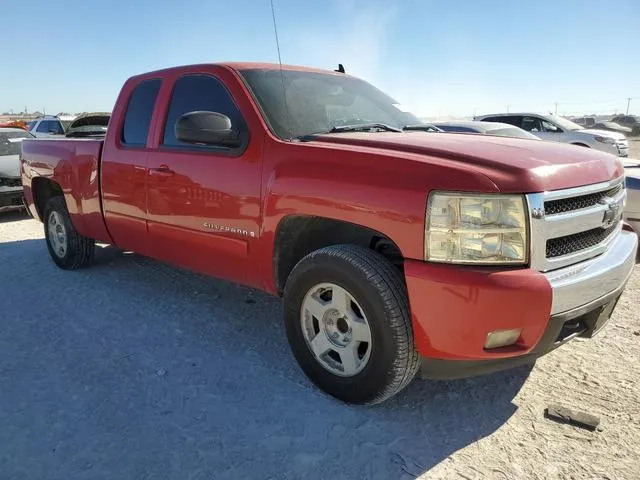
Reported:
(348, 324)
(67, 248)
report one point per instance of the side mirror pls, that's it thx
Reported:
(207, 128)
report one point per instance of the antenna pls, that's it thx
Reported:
(284, 94)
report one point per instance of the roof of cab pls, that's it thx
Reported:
(239, 66)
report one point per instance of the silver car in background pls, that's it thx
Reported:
(485, 128)
(632, 209)
(558, 129)
(10, 183)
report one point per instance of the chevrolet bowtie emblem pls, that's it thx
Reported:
(611, 213)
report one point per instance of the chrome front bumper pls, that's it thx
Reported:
(580, 284)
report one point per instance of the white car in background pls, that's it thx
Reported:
(632, 180)
(558, 129)
(10, 182)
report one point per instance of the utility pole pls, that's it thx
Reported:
(508, 106)
(628, 104)
(556, 110)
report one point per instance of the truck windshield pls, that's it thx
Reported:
(10, 141)
(300, 103)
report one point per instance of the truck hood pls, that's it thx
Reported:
(9, 166)
(514, 165)
(593, 132)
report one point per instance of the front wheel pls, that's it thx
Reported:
(67, 248)
(348, 324)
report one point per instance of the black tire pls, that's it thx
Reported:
(79, 250)
(375, 284)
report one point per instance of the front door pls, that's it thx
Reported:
(203, 201)
(543, 129)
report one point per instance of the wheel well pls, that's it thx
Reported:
(580, 145)
(43, 190)
(297, 236)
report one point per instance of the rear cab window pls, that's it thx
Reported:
(200, 92)
(137, 119)
(50, 126)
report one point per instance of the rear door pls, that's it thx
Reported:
(203, 201)
(124, 163)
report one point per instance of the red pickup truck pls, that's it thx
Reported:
(393, 248)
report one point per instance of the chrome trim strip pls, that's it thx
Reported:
(544, 227)
(581, 255)
(579, 284)
(577, 221)
(585, 190)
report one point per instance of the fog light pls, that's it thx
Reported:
(502, 338)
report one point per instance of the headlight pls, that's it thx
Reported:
(605, 139)
(476, 229)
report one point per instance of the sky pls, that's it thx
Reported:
(438, 58)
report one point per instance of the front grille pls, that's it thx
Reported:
(10, 182)
(557, 247)
(564, 205)
(12, 200)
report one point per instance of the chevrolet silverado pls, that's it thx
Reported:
(394, 248)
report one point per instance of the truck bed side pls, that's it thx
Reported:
(69, 166)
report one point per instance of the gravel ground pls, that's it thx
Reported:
(132, 369)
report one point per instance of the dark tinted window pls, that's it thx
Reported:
(139, 112)
(50, 126)
(199, 93)
(514, 120)
(532, 124)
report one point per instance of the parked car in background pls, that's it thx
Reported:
(46, 126)
(393, 249)
(10, 183)
(631, 121)
(585, 121)
(632, 179)
(15, 124)
(611, 127)
(558, 129)
(486, 128)
(88, 125)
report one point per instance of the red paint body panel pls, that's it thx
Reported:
(75, 167)
(219, 214)
(454, 308)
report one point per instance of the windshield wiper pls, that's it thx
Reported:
(363, 127)
(422, 127)
(359, 127)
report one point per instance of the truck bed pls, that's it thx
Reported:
(74, 164)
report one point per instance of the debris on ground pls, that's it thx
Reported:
(572, 417)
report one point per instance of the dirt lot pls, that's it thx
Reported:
(132, 369)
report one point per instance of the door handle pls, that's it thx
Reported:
(161, 171)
